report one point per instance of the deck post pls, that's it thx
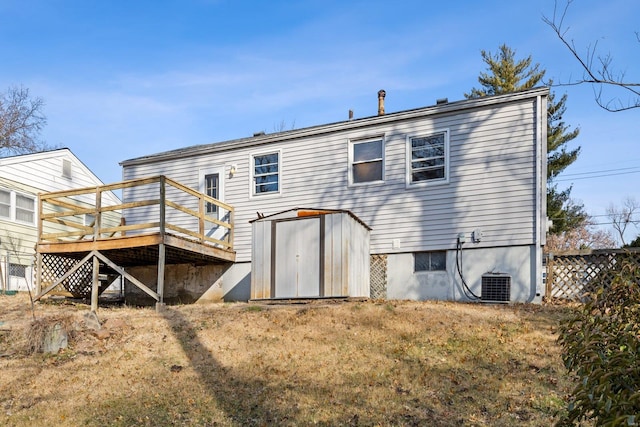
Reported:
(97, 221)
(38, 272)
(95, 285)
(40, 230)
(161, 249)
(160, 289)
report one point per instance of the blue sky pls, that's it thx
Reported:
(123, 79)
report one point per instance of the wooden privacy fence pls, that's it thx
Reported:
(158, 204)
(571, 275)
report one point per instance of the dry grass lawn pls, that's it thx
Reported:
(347, 363)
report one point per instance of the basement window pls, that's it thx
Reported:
(430, 261)
(18, 270)
(366, 161)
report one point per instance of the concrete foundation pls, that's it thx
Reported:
(188, 283)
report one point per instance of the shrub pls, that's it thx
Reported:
(601, 345)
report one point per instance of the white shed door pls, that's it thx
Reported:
(297, 263)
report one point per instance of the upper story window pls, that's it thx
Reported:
(367, 161)
(5, 204)
(17, 207)
(266, 173)
(25, 209)
(428, 158)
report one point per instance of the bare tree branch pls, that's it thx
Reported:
(21, 120)
(598, 73)
(623, 216)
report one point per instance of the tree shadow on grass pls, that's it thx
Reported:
(244, 399)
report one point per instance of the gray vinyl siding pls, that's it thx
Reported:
(492, 179)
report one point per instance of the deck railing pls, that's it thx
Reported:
(154, 205)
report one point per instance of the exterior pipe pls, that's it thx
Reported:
(381, 95)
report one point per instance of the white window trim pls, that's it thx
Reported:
(220, 170)
(353, 142)
(10, 205)
(252, 184)
(447, 158)
(13, 207)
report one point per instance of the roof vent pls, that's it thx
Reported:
(442, 101)
(261, 133)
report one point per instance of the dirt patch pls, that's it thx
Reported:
(338, 363)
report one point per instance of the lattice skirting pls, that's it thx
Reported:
(77, 284)
(378, 277)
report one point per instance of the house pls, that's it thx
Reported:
(454, 193)
(22, 178)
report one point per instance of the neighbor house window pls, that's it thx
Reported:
(430, 261)
(18, 270)
(266, 173)
(5, 204)
(66, 168)
(427, 158)
(25, 209)
(89, 220)
(17, 207)
(367, 161)
(211, 188)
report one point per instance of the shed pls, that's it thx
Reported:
(309, 253)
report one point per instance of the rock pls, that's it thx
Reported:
(55, 339)
(102, 334)
(114, 325)
(91, 321)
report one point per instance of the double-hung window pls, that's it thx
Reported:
(17, 207)
(427, 158)
(266, 173)
(367, 161)
(5, 204)
(25, 209)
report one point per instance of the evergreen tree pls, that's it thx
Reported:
(505, 74)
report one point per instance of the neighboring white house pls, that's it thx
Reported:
(21, 179)
(454, 193)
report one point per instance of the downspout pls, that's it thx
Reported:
(541, 193)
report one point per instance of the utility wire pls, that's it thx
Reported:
(601, 175)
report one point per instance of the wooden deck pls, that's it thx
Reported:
(172, 224)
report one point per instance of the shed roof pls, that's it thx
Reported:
(304, 212)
